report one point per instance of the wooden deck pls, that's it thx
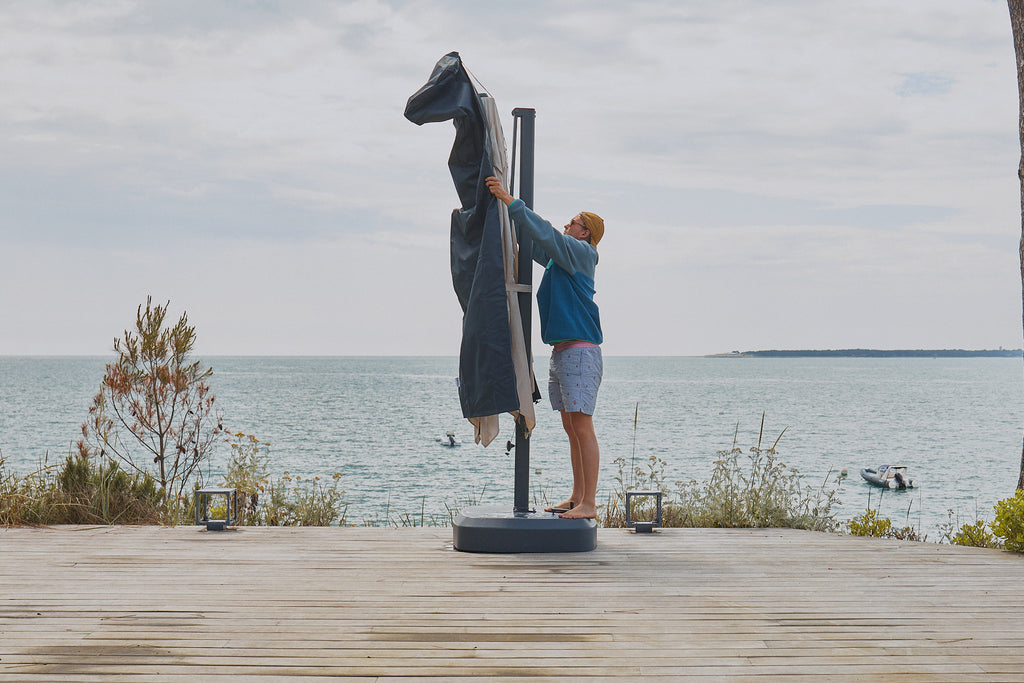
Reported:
(258, 604)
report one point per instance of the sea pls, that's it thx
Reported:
(956, 423)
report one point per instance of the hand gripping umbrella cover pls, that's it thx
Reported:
(495, 372)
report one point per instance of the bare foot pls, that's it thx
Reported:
(581, 511)
(567, 505)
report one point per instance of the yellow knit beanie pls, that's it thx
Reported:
(595, 224)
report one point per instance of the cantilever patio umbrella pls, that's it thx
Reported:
(495, 373)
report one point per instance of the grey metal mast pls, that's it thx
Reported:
(521, 500)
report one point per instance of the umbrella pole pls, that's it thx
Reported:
(522, 472)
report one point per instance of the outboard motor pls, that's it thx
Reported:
(900, 481)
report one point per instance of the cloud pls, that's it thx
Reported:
(811, 144)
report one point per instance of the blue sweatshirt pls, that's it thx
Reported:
(565, 298)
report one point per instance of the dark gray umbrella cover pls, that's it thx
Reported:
(487, 384)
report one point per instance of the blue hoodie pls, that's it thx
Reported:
(565, 297)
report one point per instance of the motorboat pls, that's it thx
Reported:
(449, 439)
(888, 477)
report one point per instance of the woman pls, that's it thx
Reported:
(571, 324)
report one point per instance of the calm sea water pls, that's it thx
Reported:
(957, 423)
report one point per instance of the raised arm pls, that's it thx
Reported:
(548, 243)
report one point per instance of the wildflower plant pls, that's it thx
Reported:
(761, 492)
(285, 501)
(248, 471)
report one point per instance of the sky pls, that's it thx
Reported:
(779, 174)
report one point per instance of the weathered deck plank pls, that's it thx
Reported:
(176, 604)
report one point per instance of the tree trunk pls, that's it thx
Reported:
(1017, 23)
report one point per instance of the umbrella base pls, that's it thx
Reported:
(497, 529)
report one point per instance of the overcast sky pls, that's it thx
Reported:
(772, 174)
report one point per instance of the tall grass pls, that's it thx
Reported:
(757, 490)
(80, 490)
(746, 488)
(90, 490)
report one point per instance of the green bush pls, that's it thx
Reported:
(1009, 522)
(974, 534)
(870, 524)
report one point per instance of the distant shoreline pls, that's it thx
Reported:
(873, 353)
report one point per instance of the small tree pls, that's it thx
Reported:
(154, 407)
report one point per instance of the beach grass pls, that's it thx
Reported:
(755, 491)
(747, 488)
